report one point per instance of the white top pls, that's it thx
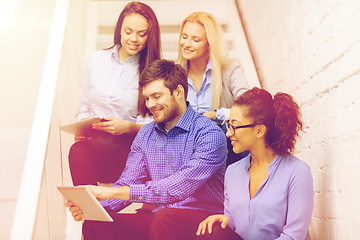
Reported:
(110, 87)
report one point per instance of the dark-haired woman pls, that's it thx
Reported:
(269, 194)
(110, 91)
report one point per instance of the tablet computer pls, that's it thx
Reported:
(86, 201)
(82, 128)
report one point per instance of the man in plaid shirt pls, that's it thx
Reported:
(176, 164)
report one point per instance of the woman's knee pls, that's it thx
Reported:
(79, 151)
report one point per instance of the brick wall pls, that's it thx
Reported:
(311, 49)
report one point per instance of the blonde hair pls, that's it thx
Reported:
(216, 52)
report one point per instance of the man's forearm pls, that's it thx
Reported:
(122, 193)
(103, 193)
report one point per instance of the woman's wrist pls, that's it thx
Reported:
(134, 128)
(210, 114)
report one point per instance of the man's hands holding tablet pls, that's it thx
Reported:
(75, 211)
(100, 193)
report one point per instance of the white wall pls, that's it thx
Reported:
(24, 33)
(24, 36)
(51, 214)
(311, 49)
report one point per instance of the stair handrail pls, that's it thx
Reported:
(28, 198)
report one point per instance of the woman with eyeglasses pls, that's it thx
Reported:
(269, 194)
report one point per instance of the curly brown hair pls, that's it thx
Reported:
(281, 116)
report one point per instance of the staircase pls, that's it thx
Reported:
(101, 21)
(40, 212)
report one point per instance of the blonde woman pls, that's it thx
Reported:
(214, 80)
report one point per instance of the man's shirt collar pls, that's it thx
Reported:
(184, 122)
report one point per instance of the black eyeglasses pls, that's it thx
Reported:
(232, 128)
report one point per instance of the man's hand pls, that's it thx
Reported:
(103, 193)
(75, 211)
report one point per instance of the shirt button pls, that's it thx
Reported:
(169, 141)
(157, 199)
(168, 163)
(140, 198)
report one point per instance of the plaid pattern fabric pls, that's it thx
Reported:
(182, 168)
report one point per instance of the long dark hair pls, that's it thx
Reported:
(152, 50)
(281, 116)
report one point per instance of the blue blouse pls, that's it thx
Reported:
(234, 84)
(282, 206)
(201, 101)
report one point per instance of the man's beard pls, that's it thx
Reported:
(170, 113)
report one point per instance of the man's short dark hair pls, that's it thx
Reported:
(172, 74)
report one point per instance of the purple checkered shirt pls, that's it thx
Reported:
(183, 168)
